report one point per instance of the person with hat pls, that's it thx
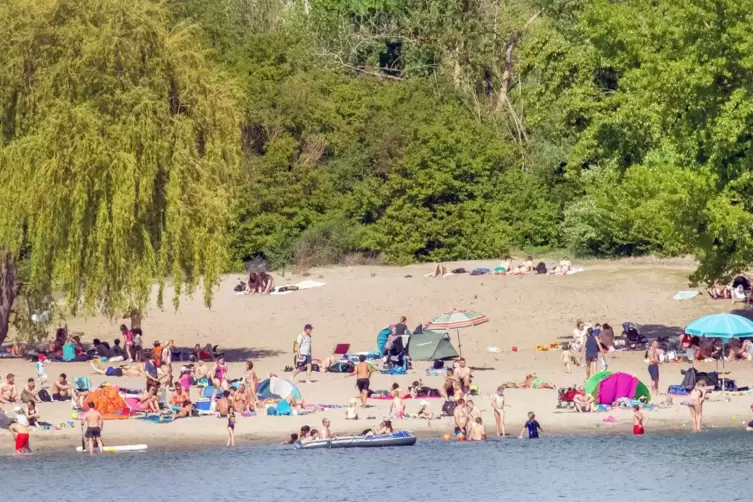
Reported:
(303, 352)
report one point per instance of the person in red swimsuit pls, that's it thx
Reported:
(21, 435)
(638, 418)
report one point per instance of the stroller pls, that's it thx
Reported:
(566, 397)
(634, 340)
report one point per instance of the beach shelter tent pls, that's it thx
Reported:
(277, 388)
(430, 346)
(382, 338)
(608, 387)
(592, 384)
(109, 402)
(619, 385)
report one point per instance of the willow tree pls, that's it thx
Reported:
(120, 143)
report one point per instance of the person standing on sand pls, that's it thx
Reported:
(128, 343)
(695, 404)
(653, 366)
(498, 404)
(92, 419)
(638, 418)
(591, 348)
(303, 353)
(363, 378)
(463, 374)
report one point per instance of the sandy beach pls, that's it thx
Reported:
(356, 302)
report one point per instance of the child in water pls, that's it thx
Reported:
(533, 427)
(477, 432)
(638, 418)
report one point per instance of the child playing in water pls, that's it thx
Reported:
(638, 418)
(398, 406)
(477, 432)
(532, 426)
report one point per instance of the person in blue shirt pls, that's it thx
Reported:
(532, 426)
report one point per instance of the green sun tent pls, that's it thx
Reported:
(430, 346)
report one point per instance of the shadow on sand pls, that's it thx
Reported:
(240, 354)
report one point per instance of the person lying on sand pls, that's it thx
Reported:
(523, 268)
(564, 266)
(440, 270)
(504, 267)
(531, 382)
(129, 370)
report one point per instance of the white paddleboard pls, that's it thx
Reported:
(117, 449)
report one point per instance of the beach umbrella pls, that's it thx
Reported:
(723, 326)
(456, 319)
(257, 265)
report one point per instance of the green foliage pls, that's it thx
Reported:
(120, 149)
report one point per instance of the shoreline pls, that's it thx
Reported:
(69, 439)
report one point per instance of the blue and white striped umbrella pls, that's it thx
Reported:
(721, 326)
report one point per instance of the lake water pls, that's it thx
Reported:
(714, 465)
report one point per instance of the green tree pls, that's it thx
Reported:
(120, 146)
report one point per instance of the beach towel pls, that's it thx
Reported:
(685, 295)
(301, 285)
(395, 370)
(480, 271)
(448, 274)
(576, 270)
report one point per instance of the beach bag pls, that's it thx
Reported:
(480, 271)
(541, 268)
(448, 408)
(458, 271)
(44, 396)
(342, 367)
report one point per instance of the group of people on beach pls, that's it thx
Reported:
(506, 267)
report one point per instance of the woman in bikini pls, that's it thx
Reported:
(498, 404)
(695, 404)
(525, 267)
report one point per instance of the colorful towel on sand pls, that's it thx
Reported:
(685, 295)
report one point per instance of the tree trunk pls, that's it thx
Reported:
(8, 291)
(505, 80)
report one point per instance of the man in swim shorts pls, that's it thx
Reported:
(93, 421)
(638, 429)
(363, 376)
(653, 366)
(21, 437)
(460, 418)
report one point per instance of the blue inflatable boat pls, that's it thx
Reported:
(402, 438)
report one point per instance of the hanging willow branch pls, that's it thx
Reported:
(119, 150)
